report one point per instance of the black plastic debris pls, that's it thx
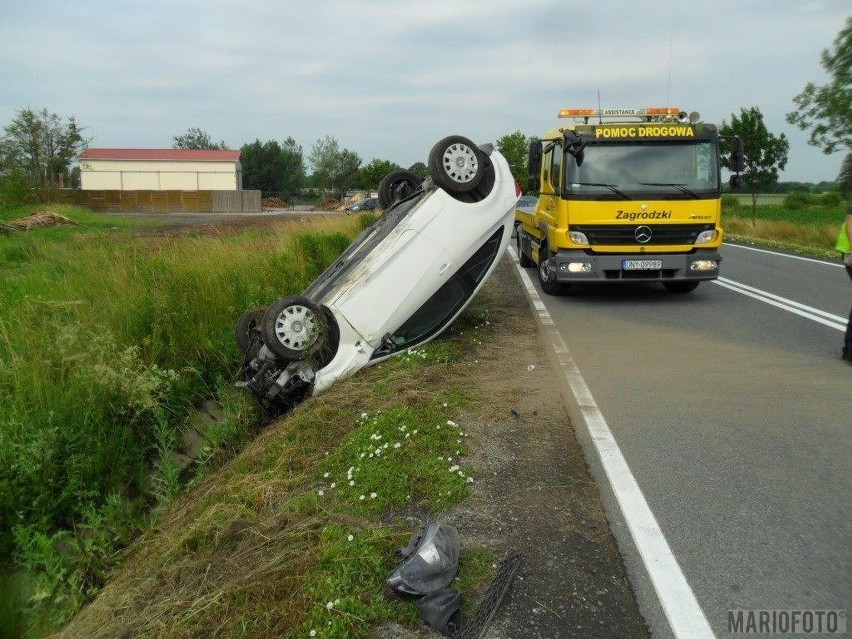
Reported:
(442, 610)
(431, 561)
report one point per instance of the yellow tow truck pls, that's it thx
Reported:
(626, 195)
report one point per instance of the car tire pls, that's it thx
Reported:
(248, 327)
(681, 287)
(294, 328)
(523, 259)
(456, 164)
(397, 185)
(546, 277)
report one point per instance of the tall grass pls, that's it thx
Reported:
(811, 229)
(107, 341)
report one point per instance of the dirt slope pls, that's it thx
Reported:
(535, 494)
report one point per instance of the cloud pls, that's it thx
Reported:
(390, 78)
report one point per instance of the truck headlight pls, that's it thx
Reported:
(706, 236)
(578, 238)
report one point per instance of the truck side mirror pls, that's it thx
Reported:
(575, 145)
(534, 164)
(736, 182)
(737, 155)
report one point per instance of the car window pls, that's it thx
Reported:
(444, 305)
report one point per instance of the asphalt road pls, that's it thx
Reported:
(733, 411)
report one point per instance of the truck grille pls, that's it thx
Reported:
(661, 234)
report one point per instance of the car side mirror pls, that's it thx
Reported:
(736, 182)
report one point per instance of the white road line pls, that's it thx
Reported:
(809, 312)
(685, 616)
(792, 257)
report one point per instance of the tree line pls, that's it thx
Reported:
(38, 148)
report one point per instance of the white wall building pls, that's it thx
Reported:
(160, 170)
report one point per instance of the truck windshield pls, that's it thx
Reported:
(666, 170)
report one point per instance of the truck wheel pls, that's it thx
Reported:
(681, 287)
(294, 328)
(523, 259)
(397, 185)
(248, 327)
(456, 164)
(547, 277)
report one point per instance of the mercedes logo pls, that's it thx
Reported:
(642, 234)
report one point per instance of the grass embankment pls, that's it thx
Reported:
(806, 229)
(108, 340)
(295, 537)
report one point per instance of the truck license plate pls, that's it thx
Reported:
(641, 265)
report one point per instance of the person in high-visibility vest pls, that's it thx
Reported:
(844, 245)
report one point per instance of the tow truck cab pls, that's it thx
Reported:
(635, 198)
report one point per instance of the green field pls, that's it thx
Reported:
(808, 229)
(763, 199)
(111, 333)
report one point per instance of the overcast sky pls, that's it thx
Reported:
(388, 78)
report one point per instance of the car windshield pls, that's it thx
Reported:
(625, 170)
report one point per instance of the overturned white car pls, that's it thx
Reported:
(399, 284)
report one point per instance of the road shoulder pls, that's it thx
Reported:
(536, 495)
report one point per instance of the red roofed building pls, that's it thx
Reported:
(160, 170)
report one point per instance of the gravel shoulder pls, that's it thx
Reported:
(535, 494)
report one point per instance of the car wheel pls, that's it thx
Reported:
(248, 326)
(681, 287)
(546, 276)
(397, 185)
(523, 259)
(456, 164)
(294, 328)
